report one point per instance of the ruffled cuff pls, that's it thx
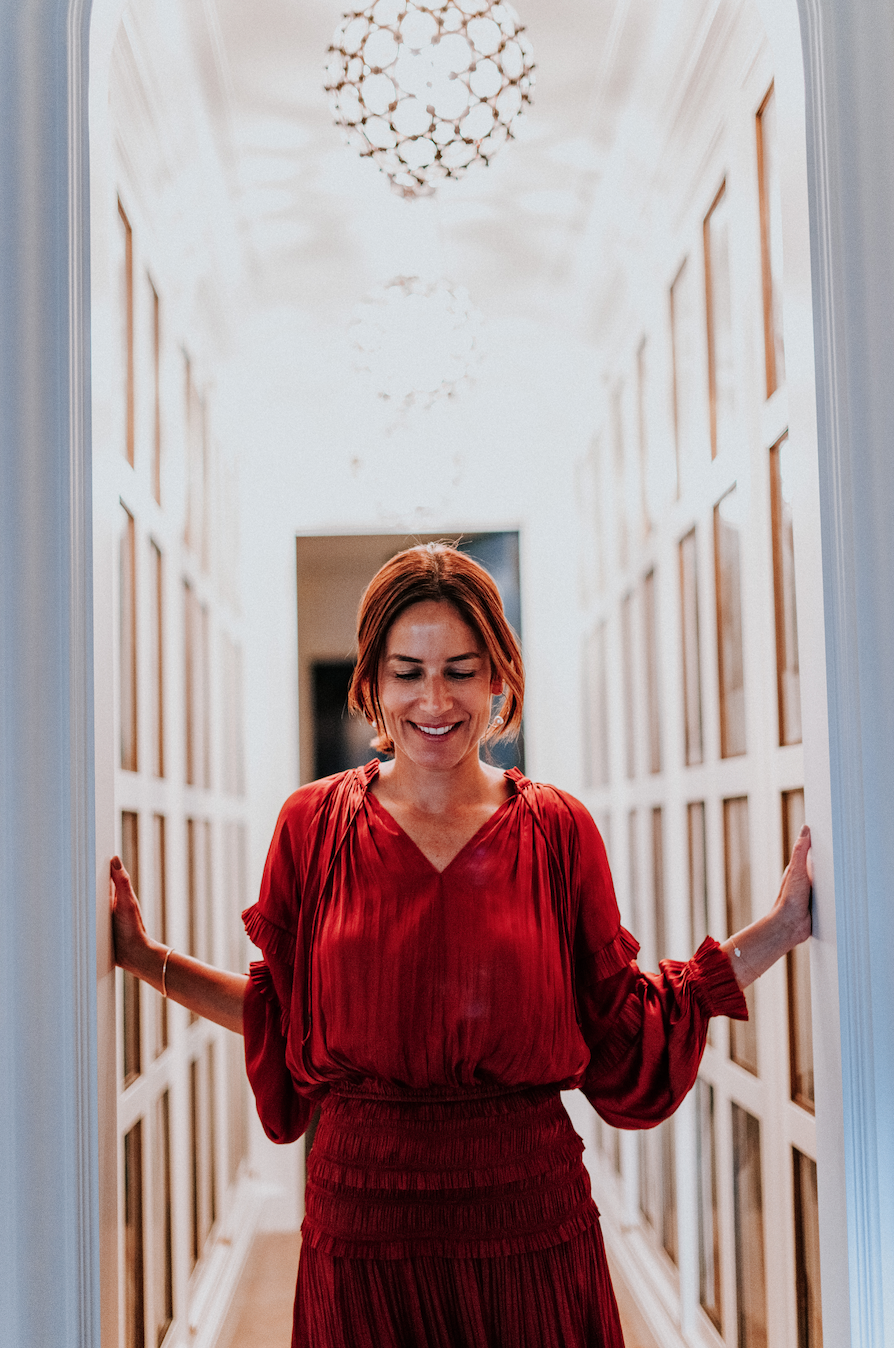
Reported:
(267, 936)
(283, 1112)
(713, 982)
(615, 956)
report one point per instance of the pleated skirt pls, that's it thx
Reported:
(437, 1222)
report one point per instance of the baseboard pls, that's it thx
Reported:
(216, 1278)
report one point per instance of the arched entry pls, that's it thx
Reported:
(51, 1227)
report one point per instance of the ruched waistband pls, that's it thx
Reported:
(489, 1174)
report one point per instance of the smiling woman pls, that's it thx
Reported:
(437, 574)
(406, 912)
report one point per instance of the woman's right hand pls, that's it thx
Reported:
(209, 992)
(129, 937)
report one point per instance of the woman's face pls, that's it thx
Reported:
(435, 686)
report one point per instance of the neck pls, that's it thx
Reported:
(436, 792)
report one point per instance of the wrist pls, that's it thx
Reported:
(146, 962)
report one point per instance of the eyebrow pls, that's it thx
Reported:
(451, 659)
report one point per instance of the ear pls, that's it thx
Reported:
(497, 686)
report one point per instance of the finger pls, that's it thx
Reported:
(800, 851)
(121, 880)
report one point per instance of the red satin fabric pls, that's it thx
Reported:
(436, 1016)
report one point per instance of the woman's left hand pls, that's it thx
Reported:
(787, 924)
(792, 906)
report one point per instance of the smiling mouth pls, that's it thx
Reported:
(434, 732)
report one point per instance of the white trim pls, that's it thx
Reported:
(850, 120)
(48, 1117)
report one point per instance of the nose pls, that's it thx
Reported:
(436, 695)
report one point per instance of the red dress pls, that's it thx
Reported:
(435, 1016)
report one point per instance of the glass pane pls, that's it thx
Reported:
(127, 640)
(134, 1273)
(696, 830)
(688, 378)
(633, 859)
(718, 312)
(728, 527)
(708, 1216)
(667, 1139)
(131, 1036)
(155, 347)
(751, 1292)
(240, 723)
(596, 710)
(661, 951)
(190, 674)
(788, 676)
(800, 1025)
(164, 1208)
(195, 432)
(237, 1106)
(807, 1253)
(620, 473)
(627, 659)
(125, 307)
(193, 894)
(156, 661)
(698, 873)
(771, 240)
(657, 1184)
(160, 919)
(692, 680)
(742, 1034)
(642, 437)
(195, 1166)
(211, 1134)
(192, 888)
(650, 632)
(650, 1177)
(204, 685)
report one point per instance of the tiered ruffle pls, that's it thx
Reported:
(475, 1176)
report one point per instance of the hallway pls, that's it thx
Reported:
(655, 360)
(260, 1315)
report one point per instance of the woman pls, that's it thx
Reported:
(442, 954)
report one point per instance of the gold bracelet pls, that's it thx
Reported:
(745, 965)
(164, 970)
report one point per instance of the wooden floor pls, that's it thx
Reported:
(261, 1314)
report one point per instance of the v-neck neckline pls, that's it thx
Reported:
(371, 773)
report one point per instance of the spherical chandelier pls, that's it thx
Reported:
(427, 87)
(416, 340)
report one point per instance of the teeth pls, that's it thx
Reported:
(434, 730)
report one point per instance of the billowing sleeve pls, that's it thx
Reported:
(272, 924)
(645, 1032)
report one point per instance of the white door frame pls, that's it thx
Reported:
(49, 1138)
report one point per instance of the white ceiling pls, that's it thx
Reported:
(323, 225)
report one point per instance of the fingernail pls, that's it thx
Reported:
(804, 831)
(116, 864)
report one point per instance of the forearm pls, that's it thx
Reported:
(215, 994)
(753, 950)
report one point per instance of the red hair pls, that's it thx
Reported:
(440, 572)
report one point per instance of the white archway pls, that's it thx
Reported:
(50, 1223)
